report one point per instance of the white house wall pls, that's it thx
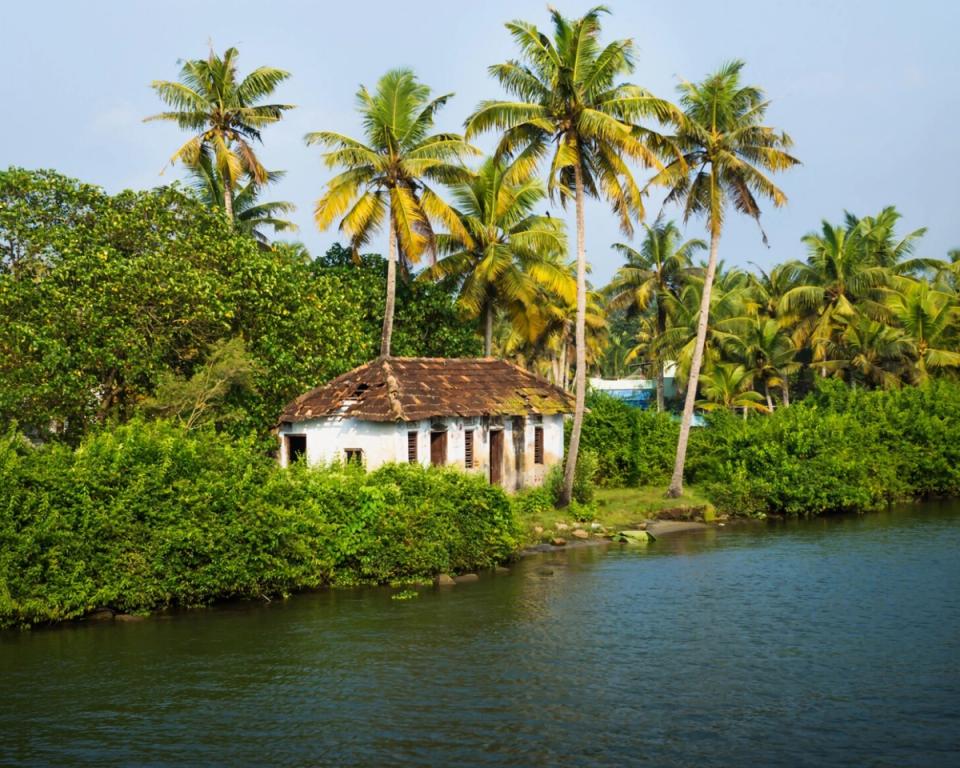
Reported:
(328, 439)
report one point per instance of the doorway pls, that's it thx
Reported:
(496, 456)
(438, 448)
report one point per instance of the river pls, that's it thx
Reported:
(831, 642)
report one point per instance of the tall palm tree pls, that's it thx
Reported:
(510, 248)
(386, 177)
(569, 98)
(659, 267)
(250, 215)
(726, 154)
(225, 115)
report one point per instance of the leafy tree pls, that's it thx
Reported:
(200, 400)
(224, 113)
(510, 249)
(726, 154)
(569, 98)
(659, 268)
(386, 177)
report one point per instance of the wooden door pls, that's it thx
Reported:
(496, 456)
(438, 448)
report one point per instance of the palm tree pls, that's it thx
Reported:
(839, 280)
(568, 97)
(660, 267)
(726, 152)
(250, 215)
(727, 386)
(928, 316)
(874, 353)
(224, 115)
(768, 354)
(509, 249)
(387, 176)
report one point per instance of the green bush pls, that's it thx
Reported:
(149, 515)
(632, 446)
(838, 450)
(583, 478)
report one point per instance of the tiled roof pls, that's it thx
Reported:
(415, 388)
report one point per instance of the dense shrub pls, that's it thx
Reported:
(149, 515)
(632, 446)
(838, 450)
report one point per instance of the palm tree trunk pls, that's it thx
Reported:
(488, 329)
(387, 335)
(564, 378)
(660, 405)
(676, 482)
(228, 199)
(580, 385)
(766, 389)
(661, 329)
(785, 391)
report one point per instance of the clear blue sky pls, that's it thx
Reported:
(870, 91)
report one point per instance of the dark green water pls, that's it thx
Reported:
(810, 644)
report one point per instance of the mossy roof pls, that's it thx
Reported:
(415, 388)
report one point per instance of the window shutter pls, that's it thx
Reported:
(412, 447)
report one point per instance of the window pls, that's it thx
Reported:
(538, 445)
(468, 449)
(412, 447)
(354, 455)
(296, 448)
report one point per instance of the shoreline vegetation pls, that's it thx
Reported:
(151, 515)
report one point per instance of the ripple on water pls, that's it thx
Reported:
(824, 643)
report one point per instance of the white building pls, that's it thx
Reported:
(480, 414)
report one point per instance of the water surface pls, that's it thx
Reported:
(831, 642)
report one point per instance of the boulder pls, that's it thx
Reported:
(128, 617)
(445, 580)
(581, 534)
(558, 541)
(537, 530)
(100, 614)
(503, 570)
(562, 527)
(465, 578)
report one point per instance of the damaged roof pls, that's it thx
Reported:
(415, 388)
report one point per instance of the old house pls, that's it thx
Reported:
(482, 415)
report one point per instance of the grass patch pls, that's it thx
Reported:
(614, 508)
(619, 507)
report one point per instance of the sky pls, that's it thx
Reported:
(869, 91)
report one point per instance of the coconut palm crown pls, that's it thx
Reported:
(511, 250)
(386, 175)
(225, 114)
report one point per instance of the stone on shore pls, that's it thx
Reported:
(465, 578)
(581, 534)
(445, 580)
(558, 541)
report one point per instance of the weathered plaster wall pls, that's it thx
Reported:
(328, 439)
